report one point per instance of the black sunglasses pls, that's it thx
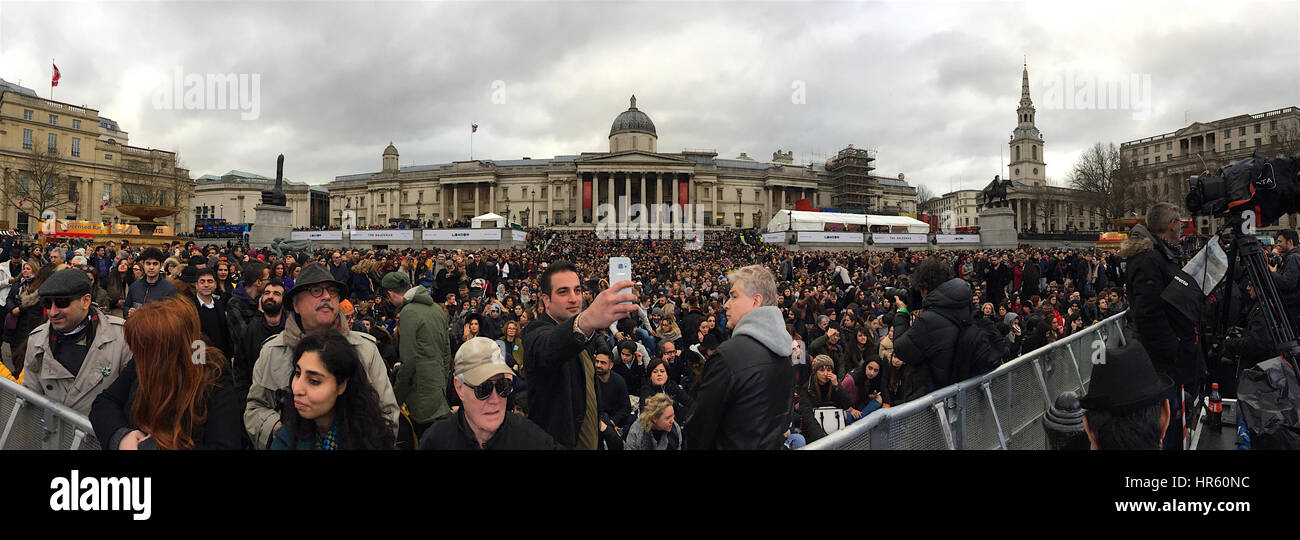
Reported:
(502, 385)
(62, 303)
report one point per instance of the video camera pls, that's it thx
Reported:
(1266, 185)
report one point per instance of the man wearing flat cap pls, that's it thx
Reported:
(80, 350)
(483, 381)
(315, 301)
(1127, 407)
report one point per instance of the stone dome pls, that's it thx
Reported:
(391, 150)
(632, 120)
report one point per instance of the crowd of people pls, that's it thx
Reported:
(735, 345)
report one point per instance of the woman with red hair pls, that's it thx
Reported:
(176, 393)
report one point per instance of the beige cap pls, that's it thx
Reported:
(479, 359)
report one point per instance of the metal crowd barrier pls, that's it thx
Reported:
(1002, 409)
(34, 422)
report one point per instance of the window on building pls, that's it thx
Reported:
(73, 195)
(708, 217)
(1034, 150)
(419, 196)
(1017, 153)
(1272, 139)
(76, 147)
(108, 191)
(1157, 159)
(54, 121)
(23, 223)
(1146, 161)
(27, 139)
(381, 197)
(1241, 131)
(1257, 141)
(1256, 128)
(361, 201)
(1169, 145)
(76, 124)
(1272, 124)
(1169, 157)
(27, 115)
(108, 157)
(54, 143)
(740, 220)
(404, 196)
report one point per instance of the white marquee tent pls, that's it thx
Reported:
(796, 220)
(488, 221)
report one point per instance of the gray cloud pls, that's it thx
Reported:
(933, 87)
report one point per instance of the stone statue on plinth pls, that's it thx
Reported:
(995, 195)
(275, 196)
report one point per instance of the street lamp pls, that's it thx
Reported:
(534, 203)
(507, 201)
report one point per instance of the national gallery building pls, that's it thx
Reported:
(564, 191)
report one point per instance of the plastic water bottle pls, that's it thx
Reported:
(1215, 417)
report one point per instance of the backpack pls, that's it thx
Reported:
(980, 349)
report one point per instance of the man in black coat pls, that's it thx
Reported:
(742, 401)
(928, 345)
(561, 373)
(1029, 280)
(1169, 337)
(613, 394)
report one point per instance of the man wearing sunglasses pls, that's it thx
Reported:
(315, 301)
(483, 381)
(80, 350)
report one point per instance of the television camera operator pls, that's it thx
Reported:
(1154, 259)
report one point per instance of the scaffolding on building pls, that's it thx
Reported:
(852, 187)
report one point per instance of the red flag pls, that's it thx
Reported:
(473, 128)
(55, 80)
(20, 203)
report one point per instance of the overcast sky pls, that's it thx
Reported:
(932, 86)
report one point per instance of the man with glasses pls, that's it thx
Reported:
(483, 381)
(153, 286)
(80, 350)
(315, 300)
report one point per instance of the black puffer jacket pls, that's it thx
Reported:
(928, 345)
(1169, 337)
(742, 401)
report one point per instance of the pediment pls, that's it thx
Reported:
(633, 156)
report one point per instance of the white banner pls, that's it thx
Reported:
(833, 237)
(774, 238)
(480, 235)
(956, 238)
(384, 234)
(316, 235)
(519, 236)
(898, 238)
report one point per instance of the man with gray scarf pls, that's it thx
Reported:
(743, 397)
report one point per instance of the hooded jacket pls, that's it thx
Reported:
(425, 352)
(929, 344)
(1169, 337)
(743, 398)
(274, 371)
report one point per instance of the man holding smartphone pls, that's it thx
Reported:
(561, 371)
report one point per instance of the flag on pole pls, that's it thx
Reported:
(473, 128)
(20, 203)
(55, 80)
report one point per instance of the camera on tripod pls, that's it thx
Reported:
(1267, 186)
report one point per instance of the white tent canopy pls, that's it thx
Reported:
(488, 221)
(796, 220)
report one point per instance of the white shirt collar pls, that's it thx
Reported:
(209, 306)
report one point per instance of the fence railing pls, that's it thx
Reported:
(1002, 409)
(34, 422)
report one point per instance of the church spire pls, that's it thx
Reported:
(1026, 110)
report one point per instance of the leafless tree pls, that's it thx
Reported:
(40, 183)
(923, 194)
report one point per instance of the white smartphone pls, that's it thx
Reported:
(620, 269)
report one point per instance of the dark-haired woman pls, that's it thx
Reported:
(334, 406)
(170, 396)
(117, 284)
(24, 303)
(657, 382)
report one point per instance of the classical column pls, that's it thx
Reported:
(782, 191)
(713, 198)
(645, 204)
(595, 196)
(492, 198)
(613, 195)
(691, 196)
(476, 207)
(627, 196)
(550, 204)
(767, 202)
(455, 203)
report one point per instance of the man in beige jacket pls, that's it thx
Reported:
(80, 350)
